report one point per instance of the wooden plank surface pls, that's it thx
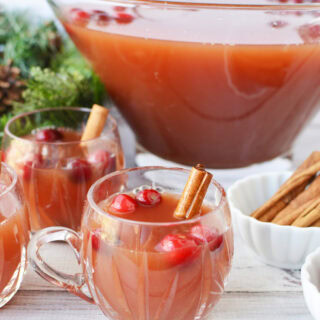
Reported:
(35, 305)
(254, 291)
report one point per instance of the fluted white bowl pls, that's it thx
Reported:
(280, 246)
(310, 278)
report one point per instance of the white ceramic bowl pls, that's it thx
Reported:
(280, 246)
(310, 278)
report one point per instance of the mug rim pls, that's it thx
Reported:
(110, 118)
(93, 205)
(212, 4)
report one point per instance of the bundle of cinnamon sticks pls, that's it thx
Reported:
(297, 202)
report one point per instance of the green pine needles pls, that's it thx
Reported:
(54, 72)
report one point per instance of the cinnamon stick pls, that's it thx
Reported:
(193, 194)
(309, 215)
(316, 224)
(290, 189)
(292, 211)
(95, 124)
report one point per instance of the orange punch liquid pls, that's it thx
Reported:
(56, 178)
(154, 271)
(13, 241)
(227, 88)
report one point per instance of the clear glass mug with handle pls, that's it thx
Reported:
(57, 172)
(14, 234)
(127, 275)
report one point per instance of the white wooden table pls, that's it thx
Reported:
(254, 292)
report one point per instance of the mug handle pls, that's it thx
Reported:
(76, 283)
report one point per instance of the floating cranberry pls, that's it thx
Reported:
(112, 165)
(80, 17)
(99, 157)
(101, 18)
(148, 197)
(29, 165)
(180, 248)
(48, 135)
(119, 9)
(95, 240)
(123, 203)
(123, 17)
(80, 170)
(98, 12)
(74, 10)
(202, 234)
(26, 170)
(310, 33)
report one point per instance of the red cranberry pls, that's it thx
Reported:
(123, 203)
(148, 197)
(202, 234)
(48, 135)
(119, 8)
(101, 18)
(112, 165)
(99, 157)
(95, 240)
(298, 13)
(80, 170)
(29, 165)
(27, 170)
(74, 9)
(98, 12)
(314, 31)
(123, 17)
(310, 33)
(180, 248)
(80, 17)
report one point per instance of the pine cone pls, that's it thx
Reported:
(11, 86)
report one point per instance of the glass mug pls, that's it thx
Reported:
(14, 234)
(57, 174)
(126, 276)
